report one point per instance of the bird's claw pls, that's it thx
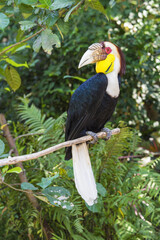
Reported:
(93, 135)
(108, 131)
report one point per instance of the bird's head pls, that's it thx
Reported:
(107, 56)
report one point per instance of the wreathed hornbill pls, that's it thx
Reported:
(90, 107)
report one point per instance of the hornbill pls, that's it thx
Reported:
(90, 107)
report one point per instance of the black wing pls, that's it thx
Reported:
(84, 104)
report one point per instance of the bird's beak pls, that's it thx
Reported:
(94, 54)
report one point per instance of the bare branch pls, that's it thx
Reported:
(23, 158)
(28, 134)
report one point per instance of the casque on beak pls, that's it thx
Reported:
(95, 53)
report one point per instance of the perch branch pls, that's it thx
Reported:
(23, 158)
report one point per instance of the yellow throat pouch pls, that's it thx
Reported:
(107, 65)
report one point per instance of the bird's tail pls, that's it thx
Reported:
(83, 174)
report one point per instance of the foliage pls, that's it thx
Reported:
(42, 43)
(132, 26)
(128, 201)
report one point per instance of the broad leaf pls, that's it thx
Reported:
(48, 40)
(12, 78)
(4, 21)
(37, 44)
(26, 9)
(95, 4)
(58, 4)
(15, 170)
(28, 186)
(58, 191)
(58, 196)
(45, 182)
(2, 147)
(101, 190)
(25, 25)
(52, 19)
(97, 207)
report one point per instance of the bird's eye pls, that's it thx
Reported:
(108, 50)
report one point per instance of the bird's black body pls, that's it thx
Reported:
(89, 109)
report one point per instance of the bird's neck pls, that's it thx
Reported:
(113, 84)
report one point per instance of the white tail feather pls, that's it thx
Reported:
(83, 174)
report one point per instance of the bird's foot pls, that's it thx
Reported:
(93, 135)
(108, 131)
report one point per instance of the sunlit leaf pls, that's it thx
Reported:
(12, 78)
(15, 170)
(4, 169)
(58, 4)
(37, 44)
(13, 63)
(48, 40)
(25, 25)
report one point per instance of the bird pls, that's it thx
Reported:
(90, 107)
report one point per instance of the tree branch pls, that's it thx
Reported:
(18, 43)
(23, 158)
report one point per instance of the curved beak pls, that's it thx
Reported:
(94, 54)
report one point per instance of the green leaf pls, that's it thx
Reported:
(45, 182)
(12, 78)
(101, 190)
(26, 8)
(13, 63)
(2, 147)
(25, 25)
(97, 207)
(28, 2)
(58, 196)
(17, 48)
(4, 21)
(70, 11)
(52, 18)
(75, 77)
(58, 191)
(46, 2)
(2, 72)
(63, 28)
(95, 4)
(143, 59)
(48, 40)
(5, 168)
(37, 44)
(28, 186)
(19, 36)
(15, 170)
(58, 4)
